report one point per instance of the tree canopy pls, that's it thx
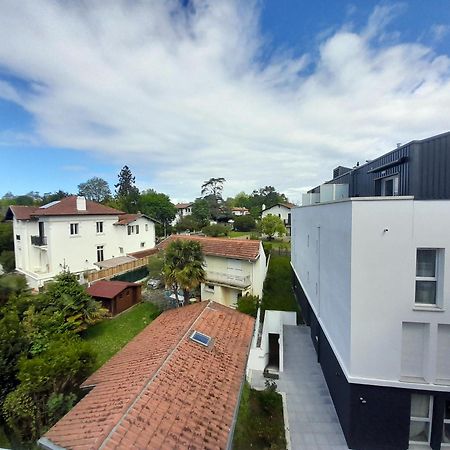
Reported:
(271, 225)
(95, 189)
(126, 192)
(157, 205)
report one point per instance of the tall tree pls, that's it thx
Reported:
(184, 266)
(126, 192)
(95, 189)
(213, 186)
(271, 225)
(201, 211)
(158, 206)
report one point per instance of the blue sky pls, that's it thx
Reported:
(272, 92)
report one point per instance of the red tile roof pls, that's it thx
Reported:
(285, 204)
(65, 207)
(227, 248)
(108, 289)
(162, 390)
(183, 205)
(125, 219)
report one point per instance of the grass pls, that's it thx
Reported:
(278, 293)
(109, 336)
(260, 423)
(239, 233)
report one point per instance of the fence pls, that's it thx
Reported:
(114, 271)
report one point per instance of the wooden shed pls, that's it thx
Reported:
(116, 296)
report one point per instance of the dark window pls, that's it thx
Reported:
(130, 229)
(73, 229)
(137, 229)
(18, 237)
(99, 227)
(100, 255)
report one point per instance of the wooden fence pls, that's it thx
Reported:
(121, 268)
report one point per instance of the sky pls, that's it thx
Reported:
(269, 92)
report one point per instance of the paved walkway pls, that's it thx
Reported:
(313, 423)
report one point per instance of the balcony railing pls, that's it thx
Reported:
(40, 241)
(228, 279)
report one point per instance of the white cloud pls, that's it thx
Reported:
(182, 96)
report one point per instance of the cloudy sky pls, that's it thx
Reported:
(274, 92)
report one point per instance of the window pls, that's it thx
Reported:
(200, 338)
(137, 229)
(73, 229)
(99, 227)
(120, 249)
(130, 229)
(389, 186)
(146, 227)
(18, 237)
(446, 432)
(100, 255)
(421, 413)
(142, 244)
(426, 276)
(209, 287)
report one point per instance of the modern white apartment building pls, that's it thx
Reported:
(74, 234)
(372, 275)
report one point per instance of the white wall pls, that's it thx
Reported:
(321, 257)
(277, 210)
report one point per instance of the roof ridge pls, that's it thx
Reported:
(147, 384)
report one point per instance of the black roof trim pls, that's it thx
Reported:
(389, 165)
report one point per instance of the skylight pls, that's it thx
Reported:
(49, 204)
(200, 338)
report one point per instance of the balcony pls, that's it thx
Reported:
(228, 280)
(39, 241)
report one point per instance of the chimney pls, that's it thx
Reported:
(81, 204)
(399, 144)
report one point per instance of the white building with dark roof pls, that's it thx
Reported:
(74, 234)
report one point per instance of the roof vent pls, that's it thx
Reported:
(200, 338)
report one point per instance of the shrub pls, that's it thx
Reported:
(216, 230)
(248, 304)
(244, 223)
(7, 260)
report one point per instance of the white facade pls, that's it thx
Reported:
(281, 211)
(183, 209)
(240, 211)
(228, 277)
(356, 262)
(75, 243)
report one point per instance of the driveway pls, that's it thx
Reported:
(311, 417)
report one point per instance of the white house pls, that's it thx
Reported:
(75, 234)
(239, 211)
(234, 267)
(283, 211)
(183, 210)
(372, 276)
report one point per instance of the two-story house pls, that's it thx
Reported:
(240, 211)
(234, 267)
(183, 210)
(281, 210)
(74, 234)
(372, 275)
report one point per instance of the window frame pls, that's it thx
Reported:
(100, 251)
(395, 184)
(99, 227)
(428, 420)
(74, 229)
(434, 279)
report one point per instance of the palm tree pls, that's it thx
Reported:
(184, 266)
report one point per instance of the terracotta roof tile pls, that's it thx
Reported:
(22, 212)
(183, 205)
(108, 289)
(163, 390)
(229, 248)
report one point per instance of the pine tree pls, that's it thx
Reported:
(126, 192)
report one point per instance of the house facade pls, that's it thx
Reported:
(234, 268)
(283, 211)
(74, 234)
(240, 211)
(373, 281)
(183, 209)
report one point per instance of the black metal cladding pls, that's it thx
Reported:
(423, 168)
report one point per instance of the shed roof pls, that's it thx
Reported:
(228, 248)
(162, 390)
(108, 289)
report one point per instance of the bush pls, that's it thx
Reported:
(244, 223)
(248, 305)
(216, 230)
(8, 260)
(188, 223)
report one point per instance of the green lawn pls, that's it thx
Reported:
(239, 233)
(260, 423)
(109, 336)
(278, 293)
